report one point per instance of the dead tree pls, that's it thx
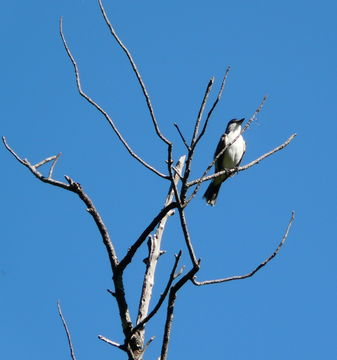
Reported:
(181, 191)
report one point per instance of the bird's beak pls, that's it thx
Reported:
(241, 121)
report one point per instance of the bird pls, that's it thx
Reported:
(230, 158)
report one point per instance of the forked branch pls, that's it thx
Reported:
(192, 145)
(136, 71)
(45, 161)
(182, 137)
(101, 110)
(50, 175)
(33, 168)
(201, 112)
(213, 106)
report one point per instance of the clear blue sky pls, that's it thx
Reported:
(50, 248)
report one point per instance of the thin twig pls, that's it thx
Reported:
(253, 118)
(187, 236)
(182, 136)
(53, 166)
(148, 343)
(137, 73)
(101, 110)
(214, 106)
(201, 112)
(264, 263)
(110, 342)
(242, 168)
(112, 293)
(179, 272)
(44, 161)
(17, 157)
(71, 347)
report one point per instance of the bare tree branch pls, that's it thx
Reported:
(76, 188)
(213, 107)
(152, 260)
(201, 112)
(33, 169)
(117, 275)
(170, 308)
(187, 237)
(187, 171)
(253, 118)
(162, 297)
(137, 73)
(44, 161)
(132, 250)
(134, 336)
(71, 347)
(172, 176)
(112, 293)
(245, 167)
(182, 137)
(176, 172)
(53, 166)
(101, 110)
(264, 263)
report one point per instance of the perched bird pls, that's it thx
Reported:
(230, 158)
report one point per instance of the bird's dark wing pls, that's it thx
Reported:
(221, 145)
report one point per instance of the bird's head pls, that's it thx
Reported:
(234, 125)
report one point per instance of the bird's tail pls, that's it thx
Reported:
(212, 192)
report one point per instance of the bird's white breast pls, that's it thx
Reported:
(234, 153)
